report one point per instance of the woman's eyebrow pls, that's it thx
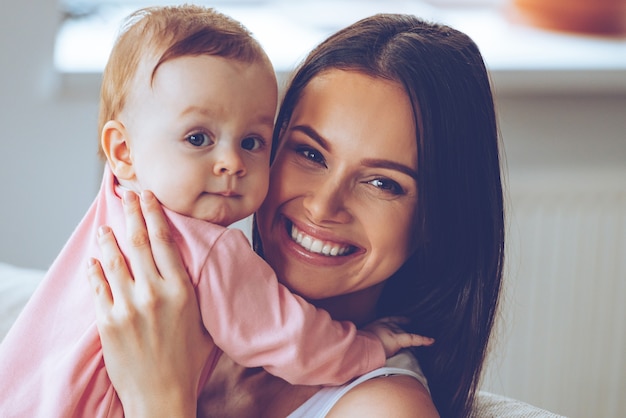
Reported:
(391, 165)
(312, 133)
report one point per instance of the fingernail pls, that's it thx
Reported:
(128, 196)
(103, 230)
(146, 195)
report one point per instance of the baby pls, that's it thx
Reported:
(187, 109)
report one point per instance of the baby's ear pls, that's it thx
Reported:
(114, 142)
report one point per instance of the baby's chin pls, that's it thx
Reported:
(215, 211)
(217, 219)
(217, 216)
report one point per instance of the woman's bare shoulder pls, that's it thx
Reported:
(397, 396)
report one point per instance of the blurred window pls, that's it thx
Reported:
(287, 29)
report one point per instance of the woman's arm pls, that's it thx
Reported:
(152, 337)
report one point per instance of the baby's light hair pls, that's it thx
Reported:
(160, 34)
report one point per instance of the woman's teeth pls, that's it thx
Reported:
(317, 246)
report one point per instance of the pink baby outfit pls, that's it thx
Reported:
(51, 362)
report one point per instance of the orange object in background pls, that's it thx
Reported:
(601, 17)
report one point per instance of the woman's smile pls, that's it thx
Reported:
(315, 247)
(319, 246)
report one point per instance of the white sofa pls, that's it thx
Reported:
(17, 284)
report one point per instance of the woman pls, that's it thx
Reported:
(386, 149)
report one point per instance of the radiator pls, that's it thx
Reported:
(561, 337)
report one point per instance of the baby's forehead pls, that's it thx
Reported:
(154, 72)
(150, 61)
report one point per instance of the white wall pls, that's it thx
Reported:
(49, 174)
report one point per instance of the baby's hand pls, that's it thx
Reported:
(394, 337)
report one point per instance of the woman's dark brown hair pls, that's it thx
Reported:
(450, 286)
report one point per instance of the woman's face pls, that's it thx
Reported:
(343, 193)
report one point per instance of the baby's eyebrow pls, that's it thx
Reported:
(266, 120)
(197, 109)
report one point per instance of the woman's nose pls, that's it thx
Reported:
(327, 202)
(229, 162)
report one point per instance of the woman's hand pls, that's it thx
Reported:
(152, 337)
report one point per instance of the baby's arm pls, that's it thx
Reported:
(259, 323)
(393, 337)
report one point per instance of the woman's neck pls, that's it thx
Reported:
(358, 307)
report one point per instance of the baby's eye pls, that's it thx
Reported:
(387, 185)
(199, 139)
(252, 143)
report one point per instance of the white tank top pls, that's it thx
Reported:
(319, 404)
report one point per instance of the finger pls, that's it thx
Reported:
(113, 268)
(165, 251)
(414, 340)
(102, 292)
(139, 252)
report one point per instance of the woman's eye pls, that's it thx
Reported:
(312, 155)
(252, 143)
(387, 185)
(199, 139)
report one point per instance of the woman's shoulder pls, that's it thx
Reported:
(393, 395)
(398, 389)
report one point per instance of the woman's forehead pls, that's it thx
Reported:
(355, 110)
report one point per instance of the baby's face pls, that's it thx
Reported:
(200, 136)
